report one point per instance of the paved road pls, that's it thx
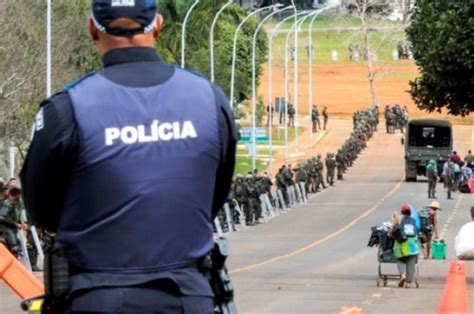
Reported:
(314, 259)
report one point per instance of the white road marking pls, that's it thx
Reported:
(451, 217)
(376, 295)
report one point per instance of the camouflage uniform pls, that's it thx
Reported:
(331, 168)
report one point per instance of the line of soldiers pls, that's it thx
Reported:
(245, 198)
(395, 118)
(13, 224)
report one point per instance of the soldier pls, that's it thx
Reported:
(291, 115)
(301, 175)
(281, 183)
(270, 115)
(340, 165)
(432, 175)
(234, 214)
(260, 190)
(330, 167)
(241, 194)
(9, 222)
(325, 117)
(314, 120)
(449, 178)
(313, 174)
(320, 170)
(253, 205)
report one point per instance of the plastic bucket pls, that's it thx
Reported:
(438, 249)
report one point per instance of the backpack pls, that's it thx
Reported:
(407, 229)
(426, 224)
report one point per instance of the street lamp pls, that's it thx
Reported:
(310, 48)
(183, 31)
(48, 49)
(270, 84)
(254, 88)
(286, 81)
(211, 47)
(234, 50)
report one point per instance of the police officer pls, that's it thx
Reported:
(139, 170)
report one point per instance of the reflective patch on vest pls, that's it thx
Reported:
(39, 120)
(123, 3)
(166, 131)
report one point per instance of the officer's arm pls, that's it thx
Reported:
(48, 164)
(228, 139)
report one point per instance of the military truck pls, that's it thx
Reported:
(426, 139)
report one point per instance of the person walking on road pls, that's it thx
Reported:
(429, 226)
(469, 160)
(122, 162)
(406, 247)
(432, 175)
(449, 178)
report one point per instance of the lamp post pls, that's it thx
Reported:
(48, 49)
(211, 41)
(183, 32)
(234, 49)
(310, 47)
(270, 85)
(254, 88)
(287, 80)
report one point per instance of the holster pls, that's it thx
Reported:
(214, 269)
(56, 282)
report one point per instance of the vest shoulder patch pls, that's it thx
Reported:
(74, 83)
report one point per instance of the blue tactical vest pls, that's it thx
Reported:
(142, 186)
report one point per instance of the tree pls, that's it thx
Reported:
(371, 13)
(442, 35)
(23, 55)
(23, 60)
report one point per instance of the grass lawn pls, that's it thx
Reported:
(244, 165)
(337, 39)
(279, 135)
(331, 20)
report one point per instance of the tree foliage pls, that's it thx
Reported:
(23, 53)
(442, 35)
(197, 42)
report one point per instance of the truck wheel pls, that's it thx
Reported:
(410, 179)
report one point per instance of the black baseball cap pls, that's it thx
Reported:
(143, 12)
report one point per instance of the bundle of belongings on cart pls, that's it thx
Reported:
(380, 238)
